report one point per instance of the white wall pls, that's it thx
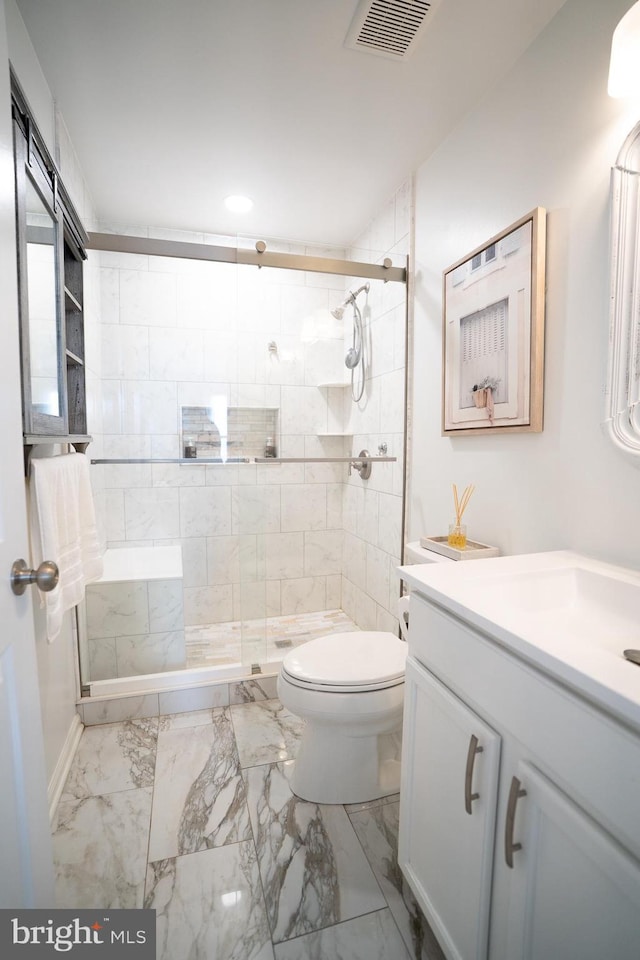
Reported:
(56, 662)
(547, 136)
(25, 63)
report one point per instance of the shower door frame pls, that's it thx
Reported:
(260, 257)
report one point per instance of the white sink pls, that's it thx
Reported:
(571, 604)
(570, 615)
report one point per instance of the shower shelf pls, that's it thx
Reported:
(334, 433)
(336, 383)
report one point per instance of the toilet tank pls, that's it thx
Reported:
(414, 553)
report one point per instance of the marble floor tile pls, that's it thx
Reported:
(191, 718)
(199, 797)
(377, 830)
(370, 804)
(265, 732)
(113, 757)
(248, 691)
(237, 867)
(313, 870)
(372, 937)
(100, 850)
(209, 906)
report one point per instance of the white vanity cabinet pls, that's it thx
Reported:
(574, 893)
(448, 801)
(519, 806)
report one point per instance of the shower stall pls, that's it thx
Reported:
(243, 395)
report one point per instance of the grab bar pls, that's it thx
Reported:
(198, 461)
(324, 459)
(192, 460)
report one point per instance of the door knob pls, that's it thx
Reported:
(45, 577)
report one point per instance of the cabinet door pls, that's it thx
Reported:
(39, 236)
(450, 766)
(574, 893)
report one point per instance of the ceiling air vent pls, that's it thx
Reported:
(389, 28)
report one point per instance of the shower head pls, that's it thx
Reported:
(338, 312)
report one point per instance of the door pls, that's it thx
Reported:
(574, 893)
(26, 877)
(450, 767)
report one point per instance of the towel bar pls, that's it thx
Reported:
(79, 442)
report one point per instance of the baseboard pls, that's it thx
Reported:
(59, 775)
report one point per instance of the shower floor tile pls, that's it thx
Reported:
(221, 644)
(193, 815)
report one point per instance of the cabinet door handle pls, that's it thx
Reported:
(469, 797)
(510, 847)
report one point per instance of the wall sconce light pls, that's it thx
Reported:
(624, 69)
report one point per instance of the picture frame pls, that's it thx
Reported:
(493, 333)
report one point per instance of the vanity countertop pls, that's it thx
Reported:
(566, 614)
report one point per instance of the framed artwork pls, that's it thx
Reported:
(493, 336)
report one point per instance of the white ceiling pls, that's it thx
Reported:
(174, 104)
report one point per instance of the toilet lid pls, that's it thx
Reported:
(359, 659)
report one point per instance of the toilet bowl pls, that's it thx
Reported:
(349, 688)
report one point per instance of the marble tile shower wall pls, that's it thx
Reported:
(256, 539)
(274, 539)
(372, 511)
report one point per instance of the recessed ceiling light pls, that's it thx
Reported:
(238, 204)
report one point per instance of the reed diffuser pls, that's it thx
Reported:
(457, 531)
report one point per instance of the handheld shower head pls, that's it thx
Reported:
(355, 356)
(352, 358)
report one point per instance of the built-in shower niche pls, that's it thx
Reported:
(229, 433)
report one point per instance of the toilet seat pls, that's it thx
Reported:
(355, 662)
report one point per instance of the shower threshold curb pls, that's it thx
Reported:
(145, 697)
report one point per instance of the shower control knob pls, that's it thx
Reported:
(362, 466)
(46, 577)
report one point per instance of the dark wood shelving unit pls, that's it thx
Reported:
(49, 233)
(74, 339)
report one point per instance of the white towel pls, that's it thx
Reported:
(63, 529)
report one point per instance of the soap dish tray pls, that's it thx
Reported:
(472, 551)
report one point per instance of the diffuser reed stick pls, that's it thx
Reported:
(461, 503)
(457, 532)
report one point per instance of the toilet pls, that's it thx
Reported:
(349, 688)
